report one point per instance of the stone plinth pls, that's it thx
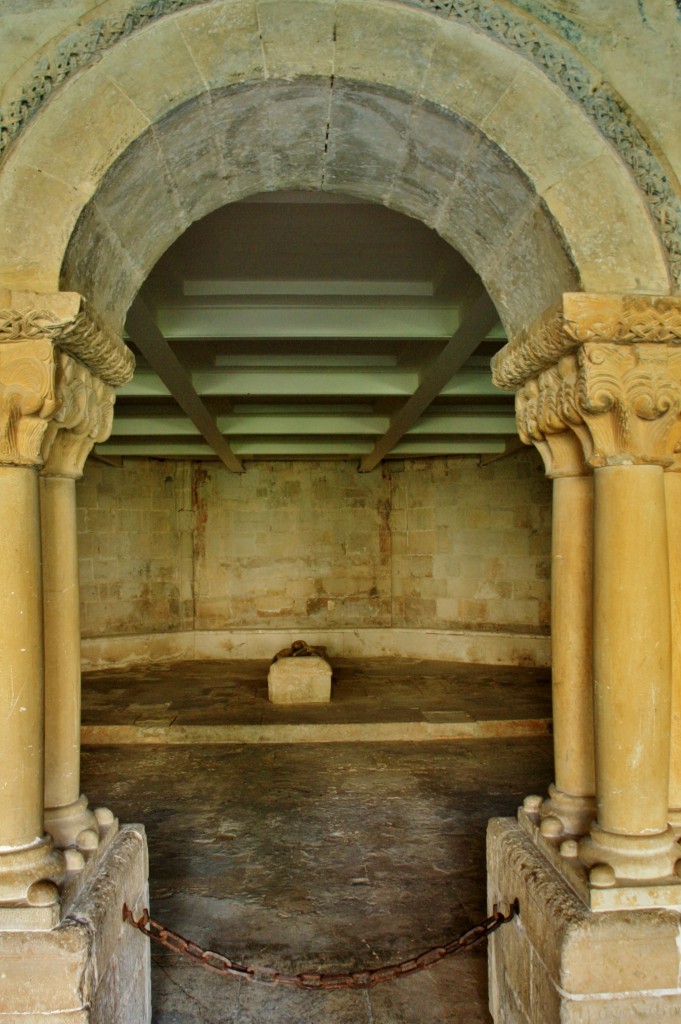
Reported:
(93, 968)
(560, 963)
(303, 680)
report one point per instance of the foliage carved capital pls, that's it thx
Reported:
(67, 322)
(28, 400)
(623, 403)
(580, 317)
(84, 418)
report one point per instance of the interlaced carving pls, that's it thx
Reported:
(27, 400)
(83, 419)
(579, 318)
(79, 334)
(510, 26)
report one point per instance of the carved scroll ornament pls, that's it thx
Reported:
(622, 402)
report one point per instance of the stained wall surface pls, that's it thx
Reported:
(441, 543)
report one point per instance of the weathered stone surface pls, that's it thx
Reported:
(561, 962)
(93, 968)
(438, 546)
(273, 842)
(298, 36)
(302, 680)
(376, 45)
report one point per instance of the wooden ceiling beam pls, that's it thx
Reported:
(146, 334)
(478, 320)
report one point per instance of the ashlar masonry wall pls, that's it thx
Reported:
(438, 543)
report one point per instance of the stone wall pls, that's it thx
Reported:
(437, 543)
(136, 528)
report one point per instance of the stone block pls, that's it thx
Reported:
(156, 71)
(225, 42)
(302, 680)
(386, 45)
(297, 36)
(559, 962)
(594, 214)
(93, 966)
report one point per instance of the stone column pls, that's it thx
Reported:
(84, 418)
(35, 332)
(672, 479)
(29, 866)
(608, 368)
(630, 399)
(571, 806)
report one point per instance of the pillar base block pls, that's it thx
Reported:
(558, 962)
(596, 883)
(92, 968)
(565, 816)
(73, 825)
(29, 877)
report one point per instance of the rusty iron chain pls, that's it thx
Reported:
(367, 978)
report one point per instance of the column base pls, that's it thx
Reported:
(583, 866)
(74, 825)
(559, 962)
(28, 881)
(93, 968)
(615, 858)
(563, 816)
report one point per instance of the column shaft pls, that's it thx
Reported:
(21, 660)
(62, 640)
(632, 649)
(672, 482)
(571, 806)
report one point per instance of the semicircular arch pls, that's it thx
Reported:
(429, 117)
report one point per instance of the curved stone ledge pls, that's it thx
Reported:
(485, 648)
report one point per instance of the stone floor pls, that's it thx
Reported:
(306, 856)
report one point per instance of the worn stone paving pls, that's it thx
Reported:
(374, 689)
(329, 856)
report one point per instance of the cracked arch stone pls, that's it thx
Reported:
(427, 116)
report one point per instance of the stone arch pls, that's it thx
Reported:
(220, 100)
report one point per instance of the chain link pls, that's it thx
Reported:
(368, 978)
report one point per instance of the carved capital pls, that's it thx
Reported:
(66, 320)
(630, 399)
(623, 403)
(579, 318)
(83, 419)
(27, 400)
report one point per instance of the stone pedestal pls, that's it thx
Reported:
(93, 968)
(305, 680)
(560, 963)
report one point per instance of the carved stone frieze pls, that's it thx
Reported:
(65, 320)
(623, 403)
(27, 400)
(84, 418)
(580, 317)
(514, 28)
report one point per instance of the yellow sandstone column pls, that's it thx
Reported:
(608, 369)
(85, 417)
(29, 866)
(571, 806)
(631, 400)
(672, 480)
